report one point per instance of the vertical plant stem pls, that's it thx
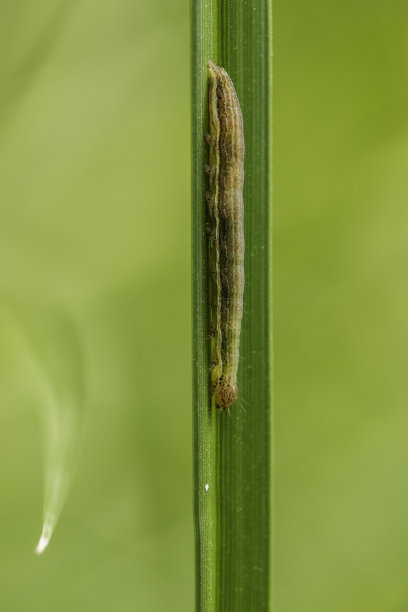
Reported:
(232, 466)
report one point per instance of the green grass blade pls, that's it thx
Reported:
(232, 488)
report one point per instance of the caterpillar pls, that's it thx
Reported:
(226, 233)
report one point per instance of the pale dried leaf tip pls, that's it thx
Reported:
(44, 540)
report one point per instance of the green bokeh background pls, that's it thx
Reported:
(341, 300)
(95, 226)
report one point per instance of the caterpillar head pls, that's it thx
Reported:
(226, 394)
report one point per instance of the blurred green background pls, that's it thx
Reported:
(341, 301)
(95, 234)
(95, 230)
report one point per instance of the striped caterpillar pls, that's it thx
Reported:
(226, 239)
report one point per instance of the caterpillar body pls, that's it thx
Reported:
(226, 238)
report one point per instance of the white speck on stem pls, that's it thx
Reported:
(207, 486)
